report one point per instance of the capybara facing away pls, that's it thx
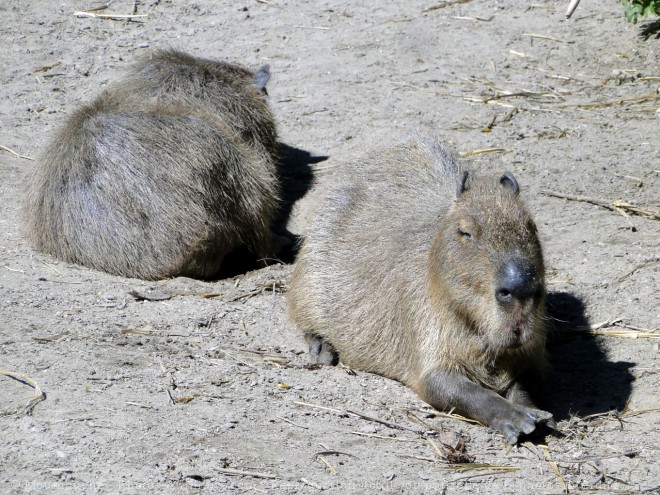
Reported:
(418, 270)
(164, 174)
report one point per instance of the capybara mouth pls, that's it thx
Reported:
(520, 326)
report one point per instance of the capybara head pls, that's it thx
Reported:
(487, 263)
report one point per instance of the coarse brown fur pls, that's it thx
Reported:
(398, 274)
(166, 172)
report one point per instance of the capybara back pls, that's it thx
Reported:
(161, 176)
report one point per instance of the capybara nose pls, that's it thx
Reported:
(518, 279)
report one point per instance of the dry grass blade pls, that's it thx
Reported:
(616, 205)
(544, 37)
(646, 264)
(389, 424)
(52, 267)
(382, 437)
(292, 423)
(136, 331)
(621, 101)
(602, 329)
(315, 406)
(464, 467)
(15, 153)
(637, 412)
(483, 151)
(39, 395)
(46, 68)
(637, 210)
(112, 17)
(275, 286)
(252, 474)
(330, 467)
(384, 422)
(626, 334)
(444, 4)
(554, 468)
(155, 296)
(452, 415)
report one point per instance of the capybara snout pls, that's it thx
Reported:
(518, 279)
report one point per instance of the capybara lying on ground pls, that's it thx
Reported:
(424, 272)
(166, 172)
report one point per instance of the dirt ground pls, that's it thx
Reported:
(184, 386)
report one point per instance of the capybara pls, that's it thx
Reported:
(421, 271)
(165, 173)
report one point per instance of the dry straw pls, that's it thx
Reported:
(39, 395)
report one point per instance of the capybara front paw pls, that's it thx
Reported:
(521, 420)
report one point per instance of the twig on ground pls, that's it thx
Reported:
(383, 437)
(330, 467)
(549, 38)
(15, 153)
(476, 467)
(554, 468)
(239, 472)
(389, 424)
(632, 99)
(306, 404)
(452, 415)
(112, 17)
(39, 395)
(646, 264)
(143, 406)
(303, 480)
(292, 423)
(444, 4)
(462, 478)
(600, 329)
(52, 267)
(616, 205)
(483, 151)
(571, 8)
(14, 269)
(637, 412)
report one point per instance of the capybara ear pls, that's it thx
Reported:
(462, 184)
(509, 181)
(261, 77)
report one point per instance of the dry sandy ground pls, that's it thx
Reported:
(170, 396)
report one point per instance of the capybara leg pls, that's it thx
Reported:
(451, 391)
(321, 351)
(519, 395)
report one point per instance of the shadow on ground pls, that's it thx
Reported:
(650, 30)
(296, 176)
(583, 380)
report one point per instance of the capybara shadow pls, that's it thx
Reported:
(297, 178)
(423, 271)
(169, 170)
(583, 380)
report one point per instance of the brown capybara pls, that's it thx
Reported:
(165, 173)
(418, 270)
